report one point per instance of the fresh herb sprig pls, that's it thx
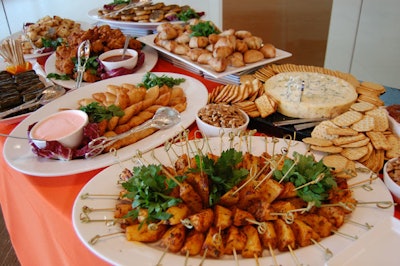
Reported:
(58, 76)
(305, 171)
(53, 44)
(149, 189)
(223, 173)
(187, 14)
(150, 80)
(98, 113)
(205, 28)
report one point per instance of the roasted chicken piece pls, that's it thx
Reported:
(174, 238)
(222, 217)
(213, 245)
(303, 233)
(142, 233)
(193, 243)
(235, 240)
(285, 234)
(253, 247)
(202, 220)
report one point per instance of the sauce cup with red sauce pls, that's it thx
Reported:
(113, 59)
(66, 127)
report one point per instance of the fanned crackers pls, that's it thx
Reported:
(347, 118)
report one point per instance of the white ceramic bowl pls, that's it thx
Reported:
(393, 187)
(112, 59)
(215, 131)
(65, 127)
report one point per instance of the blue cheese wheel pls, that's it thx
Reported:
(310, 95)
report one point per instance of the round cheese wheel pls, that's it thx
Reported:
(310, 95)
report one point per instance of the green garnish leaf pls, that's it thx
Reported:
(149, 189)
(305, 172)
(205, 28)
(49, 43)
(58, 76)
(150, 80)
(223, 173)
(98, 113)
(187, 14)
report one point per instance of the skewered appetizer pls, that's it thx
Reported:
(216, 205)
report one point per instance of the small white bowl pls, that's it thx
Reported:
(112, 59)
(393, 187)
(65, 127)
(215, 131)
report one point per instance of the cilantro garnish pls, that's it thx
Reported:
(223, 173)
(150, 80)
(98, 113)
(149, 189)
(58, 76)
(187, 14)
(205, 28)
(53, 44)
(307, 170)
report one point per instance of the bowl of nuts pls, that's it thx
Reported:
(391, 177)
(220, 119)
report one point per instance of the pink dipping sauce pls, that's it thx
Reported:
(59, 125)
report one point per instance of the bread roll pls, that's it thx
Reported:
(268, 50)
(252, 56)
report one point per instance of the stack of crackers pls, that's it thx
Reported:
(248, 96)
(361, 134)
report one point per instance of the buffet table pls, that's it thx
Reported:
(37, 210)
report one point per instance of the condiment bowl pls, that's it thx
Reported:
(66, 127)
(113, 59)
(393, 187)
(210, 130)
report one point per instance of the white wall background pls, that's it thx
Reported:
(364, 39)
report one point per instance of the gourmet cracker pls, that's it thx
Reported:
(381, 120)
(354, 153)
(348, 139)
(370, 151)
(394, 143)
(341, 131)
(355, 144)
(378, 140)
(374, 86)
(317, 141)
(336, 162)
(362, 106)
(320, 130)
(264, 106)
(347, 118)
(367, 91)
(371, 99)
(329, 149)
(367, 123)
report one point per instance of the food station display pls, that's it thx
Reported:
(206, 150)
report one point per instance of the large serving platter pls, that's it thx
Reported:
(149, 40)
(150, 60)
(152, 26)
(18, 34)
(116, 250)
(18, 154)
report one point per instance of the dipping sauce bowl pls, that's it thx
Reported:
(65, 127)
(113, 59)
